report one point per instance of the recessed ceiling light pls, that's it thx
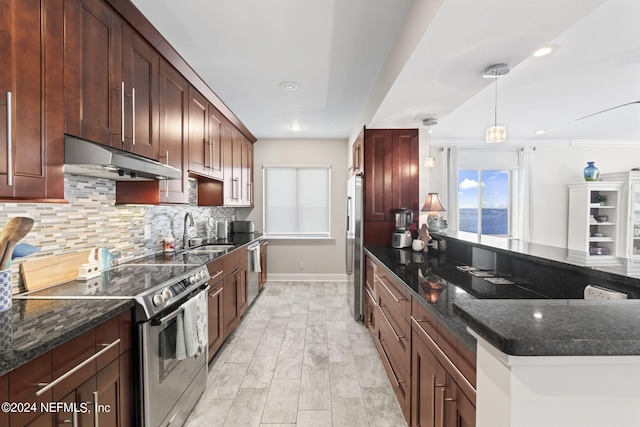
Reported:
(545, 50)
(289, 86)
(295, 128)
(540, 132)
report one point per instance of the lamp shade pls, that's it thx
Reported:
(433, 204)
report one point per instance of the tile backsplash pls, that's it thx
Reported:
(91, 219)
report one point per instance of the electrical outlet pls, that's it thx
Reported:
(594, 292)
(301, 265)
(147, 232)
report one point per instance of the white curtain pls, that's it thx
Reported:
(452, 188)
(525, 185)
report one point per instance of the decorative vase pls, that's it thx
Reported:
(591, 173)
(5, 290)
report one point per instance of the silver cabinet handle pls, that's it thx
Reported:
(9, 140)
(46, 387)
(380, 279)
(96, 405)
(216, 275)
(133, 115)
(166, 181)
(122, 112)
(389, 323)
(217, 293)
(211, 153)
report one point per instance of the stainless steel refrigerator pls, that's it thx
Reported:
(353, 246)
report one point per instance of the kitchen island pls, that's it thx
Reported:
(545, 356)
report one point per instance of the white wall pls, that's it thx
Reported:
(554, 166)
(322, 259)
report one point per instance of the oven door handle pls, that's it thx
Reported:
(175, 313)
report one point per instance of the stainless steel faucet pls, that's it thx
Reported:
(185, 236)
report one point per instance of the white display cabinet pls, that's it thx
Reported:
(629, 215)
(593, 224)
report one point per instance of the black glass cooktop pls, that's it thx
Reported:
(123, 281)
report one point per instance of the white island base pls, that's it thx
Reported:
(556, 391)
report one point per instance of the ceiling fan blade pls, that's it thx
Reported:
(609, 109)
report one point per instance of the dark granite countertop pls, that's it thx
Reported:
(541, 313)
(33, 327)
(556, 327)
(415, 269)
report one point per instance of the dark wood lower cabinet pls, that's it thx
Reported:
(216, 318)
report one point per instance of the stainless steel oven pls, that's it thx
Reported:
(168, 384)
(171, 385)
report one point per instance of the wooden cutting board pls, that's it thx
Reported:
(39, 273)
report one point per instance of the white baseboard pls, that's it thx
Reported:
(306, 277)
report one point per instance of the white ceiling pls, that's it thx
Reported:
(340, 53)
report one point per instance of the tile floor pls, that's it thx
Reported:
(298, 359)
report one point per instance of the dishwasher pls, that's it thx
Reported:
(253, 271)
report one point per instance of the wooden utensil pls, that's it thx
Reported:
(14, 230)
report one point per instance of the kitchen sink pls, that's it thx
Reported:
(209, 249)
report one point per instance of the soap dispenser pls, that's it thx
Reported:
(169, 243)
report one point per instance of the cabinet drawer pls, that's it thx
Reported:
(399, 376)
(393, 319)
(397, 348)
(216, 270)
(369, 275)
(107, 333)
(426, 320)
(397, 292)
(67, 357)
(23, 384)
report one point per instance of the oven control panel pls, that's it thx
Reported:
(155, 300)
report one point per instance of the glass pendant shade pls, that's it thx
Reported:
(496, 134)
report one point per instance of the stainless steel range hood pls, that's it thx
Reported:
(87, 158)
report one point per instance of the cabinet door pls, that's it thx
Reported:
(215, 143)
(140, 63)
(198, 133)
(405, 172)
(216, 319)
(357, 155)
(243, 290)
(459, 411)
(423, 374)
(247, 172)
(174, 101)
(31, 97)
(378, 175)
(93, 72)
(229, 185)
(230, 296)
(106, 405)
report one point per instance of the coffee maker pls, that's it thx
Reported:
(401, 235)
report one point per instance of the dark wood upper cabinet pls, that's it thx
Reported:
(390, 180)
(31, 97)
(141, 70)
(111, 80)
(174, 98)
(94, 85)
(214, 150)
(198, 133)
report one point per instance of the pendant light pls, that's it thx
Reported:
(430, 162)
(495, 133)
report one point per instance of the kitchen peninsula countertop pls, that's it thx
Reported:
(540, 314)
(33, 327)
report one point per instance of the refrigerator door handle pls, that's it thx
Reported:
(348, 244)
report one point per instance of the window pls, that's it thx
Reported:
(484, 201)
(297, 201)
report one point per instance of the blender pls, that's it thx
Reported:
(401, 235)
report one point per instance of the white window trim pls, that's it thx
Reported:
(301, 236)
